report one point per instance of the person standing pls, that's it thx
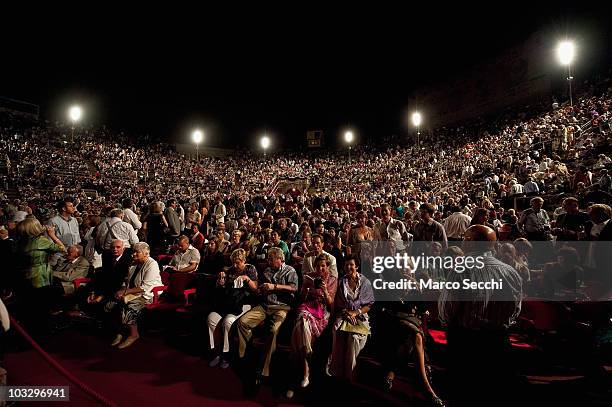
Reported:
(477, 323)
(65, 224)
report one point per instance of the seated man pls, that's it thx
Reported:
(69, 269)
(183, 266)
(277, 287)
(187, 257)
(197, 238)
(281, 244)
(107, 281)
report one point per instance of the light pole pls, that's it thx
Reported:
(197, 136)
(416, 120)
(265, 143)
(348, 137)
(75, 113)
(566, 52)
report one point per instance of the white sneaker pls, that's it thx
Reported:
(327, 372)
(289, 394)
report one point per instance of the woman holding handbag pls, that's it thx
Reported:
(230, 300)
(142, 277)
(354, 298)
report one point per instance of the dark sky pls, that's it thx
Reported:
(239, 73)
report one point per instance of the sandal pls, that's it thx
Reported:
(437, 401)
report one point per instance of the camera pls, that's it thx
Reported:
(318, 282)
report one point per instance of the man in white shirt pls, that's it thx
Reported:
(114, 228)
(456, 224)
(130, 217)
(187, 257)
(515, 188)
(531, 187)
(309, 258)
(391, 229)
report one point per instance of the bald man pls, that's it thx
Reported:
(477, 318)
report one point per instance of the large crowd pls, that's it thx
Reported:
(134, 215)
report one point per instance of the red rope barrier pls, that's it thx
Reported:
(59, 367)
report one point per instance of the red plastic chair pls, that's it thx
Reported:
(157, 291)
(163, 259)
(188, 293)
(81, 281)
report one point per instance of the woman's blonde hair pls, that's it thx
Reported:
(238, 254)
(29, 228)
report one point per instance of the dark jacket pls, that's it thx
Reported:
(109, 279)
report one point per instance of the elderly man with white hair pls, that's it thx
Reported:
(74, 266)
(136, 293)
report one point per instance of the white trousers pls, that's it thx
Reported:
(213, 322)
(345, 350)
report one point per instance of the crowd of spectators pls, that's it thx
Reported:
(536, 177)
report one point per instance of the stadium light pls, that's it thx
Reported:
(265, 143)
(75, 114)
(566, 52)
(417, 120)
(197, 136)
(349, 137)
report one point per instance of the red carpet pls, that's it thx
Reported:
(151, 373)
(154, 373)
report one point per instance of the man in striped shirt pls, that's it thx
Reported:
(477, 321)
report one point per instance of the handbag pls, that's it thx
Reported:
(359, 328)
(130, 297)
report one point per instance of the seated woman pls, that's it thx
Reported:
(212, 260)
(317, 294)
(222, 244)
(405, 340)
(354, 298)
(563, 277)
(234, 244)
(230, 301)
(508, 254)
(137, 292)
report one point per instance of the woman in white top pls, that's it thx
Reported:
(137, 292)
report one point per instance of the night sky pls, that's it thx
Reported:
(236, 76)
